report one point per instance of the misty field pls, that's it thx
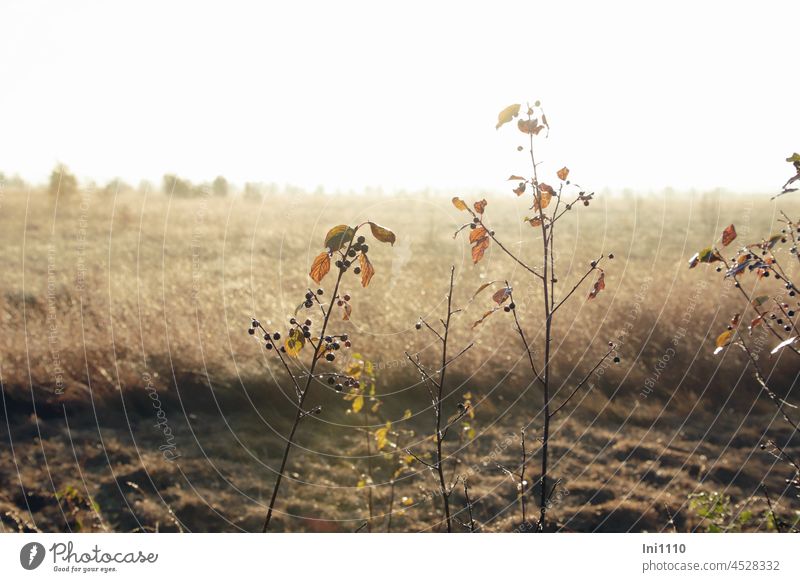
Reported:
(134, 397)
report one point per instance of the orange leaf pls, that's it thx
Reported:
(545, 195)
(563, 173)
(484, 316)
(367, 270)
(476, 234)
(728, 235)
(320, 267)
(480, 247)
(480, 205)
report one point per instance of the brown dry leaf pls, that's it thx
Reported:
(501, 295)
(520, 190)
(515, 178)
(347, 311)
(535, 221)
(563, 173)
(531, 126)
(476, 234)
(728, 235)
(480, 206)
(367, 270)
(382, 233)
(320, 267)
(598, 286)
(459, 203)
(482, 287)
(507, 115)
(484, 316)
(480, 247)
(338, 236)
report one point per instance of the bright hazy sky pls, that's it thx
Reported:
(401, 94)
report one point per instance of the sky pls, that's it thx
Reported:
(401, 95)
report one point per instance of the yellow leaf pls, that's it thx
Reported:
(507, 115)
(358, 403)
(723, 340)
(320, 267)
(295, 342)
(459, 203)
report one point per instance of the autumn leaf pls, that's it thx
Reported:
(707, 255)
(501, 295)
(320, 267)
(520, 190)
(530, 126)
(477, 234)
(347, 311)
(563, 173)
(728, 235)
(535, 221)
(507, 115)
(481, 288)
(479, 249)
(515, 178)
(546, 193)
(760, 300)
(367, 270)
(723, 340)
(484, 316)
(459, 203)
(382, 434)
(338, 236)
(598, 286)
(294, 342)
(382, 234)
(480, 206)
(358, 403)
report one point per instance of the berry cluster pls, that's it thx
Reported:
(360, 246)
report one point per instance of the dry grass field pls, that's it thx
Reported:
(125, 315)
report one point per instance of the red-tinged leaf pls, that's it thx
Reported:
(728, 235)
(520, 190)
(477, 233)
(756, 322)
(735, 320)
(367, 270)
(480, 206)
(530, 127)
(598, 286)
(507, 115)
(783, 344)
(459, 203)
(479, 249)
(501, 295)
(723, 340)
(484, 316)
(515, 178)
(338, 236)
(382, 233)
(563, 173)
(320, 267)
